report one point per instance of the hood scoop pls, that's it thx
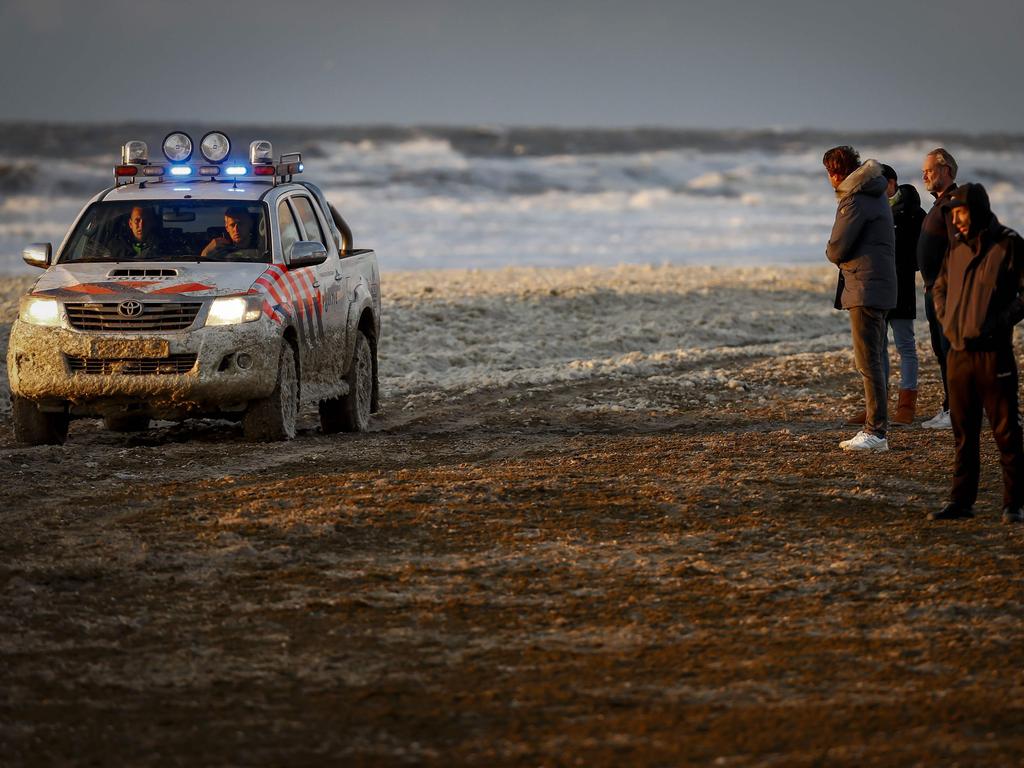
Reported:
(142, 272)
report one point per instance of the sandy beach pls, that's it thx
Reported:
(602, 519)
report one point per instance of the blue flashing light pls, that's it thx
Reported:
(301, 167)
(236, 170)
(181, 170)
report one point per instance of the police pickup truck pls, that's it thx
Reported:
(219, 288)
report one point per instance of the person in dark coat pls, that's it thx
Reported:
(862, 245)
(979, 297)
(939, 172)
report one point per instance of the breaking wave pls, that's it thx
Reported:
(468, 197)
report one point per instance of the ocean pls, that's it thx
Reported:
(483, 197)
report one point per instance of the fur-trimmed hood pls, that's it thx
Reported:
(867, 179)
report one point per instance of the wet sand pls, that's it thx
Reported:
(598, 523)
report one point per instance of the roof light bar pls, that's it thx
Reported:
(177, 147)
(215, 146)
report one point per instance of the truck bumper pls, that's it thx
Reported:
(203, 371)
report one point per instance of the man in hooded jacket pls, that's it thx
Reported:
(862, 245)
(979, 297)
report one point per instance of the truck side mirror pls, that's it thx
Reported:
(38, 255)
(305, 253)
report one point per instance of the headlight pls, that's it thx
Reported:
(230, 310)
(40, 311)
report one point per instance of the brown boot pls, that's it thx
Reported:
(905, 408)
(857, 418)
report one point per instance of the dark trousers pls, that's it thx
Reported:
(940, 344)
(985, 380)
(868, 328)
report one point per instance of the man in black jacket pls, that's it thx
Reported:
(862, 246)
(979, 297)
(939, 171)
(141, 238)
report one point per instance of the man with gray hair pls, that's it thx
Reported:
(862, 246)
(938, 171)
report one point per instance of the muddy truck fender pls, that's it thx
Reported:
(364, 307)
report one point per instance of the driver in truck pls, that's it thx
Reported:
(142, 237)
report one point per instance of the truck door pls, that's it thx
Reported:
(299, 285)
(333, 288)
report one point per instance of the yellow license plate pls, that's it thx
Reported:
(116, 348)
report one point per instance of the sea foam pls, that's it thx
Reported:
(539, 197)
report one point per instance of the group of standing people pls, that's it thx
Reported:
(972, 268)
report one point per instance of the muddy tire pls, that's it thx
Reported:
(351, 412)
(34, 427)
(126, 423)
(274, 417)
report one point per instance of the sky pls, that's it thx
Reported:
(895, 65)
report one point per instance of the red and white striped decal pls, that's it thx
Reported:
(293, 294)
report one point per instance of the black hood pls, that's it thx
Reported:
(975, 198)
(909, 201)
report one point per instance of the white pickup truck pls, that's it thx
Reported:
(217, 288)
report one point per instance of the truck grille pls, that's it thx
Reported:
(154, 316)
(132, 366)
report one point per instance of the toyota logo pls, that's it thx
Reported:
(130, 308)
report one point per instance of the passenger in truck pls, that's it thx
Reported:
(241, 242)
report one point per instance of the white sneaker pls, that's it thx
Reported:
(939, 421)
(865, 441)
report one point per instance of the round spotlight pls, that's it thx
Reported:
(177, 147)
(215, 146)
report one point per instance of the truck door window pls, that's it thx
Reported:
(310, 223)
(289, 231)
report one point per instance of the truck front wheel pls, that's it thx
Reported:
(274, 417)
(35, 427)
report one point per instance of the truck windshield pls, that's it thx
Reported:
(170, 230)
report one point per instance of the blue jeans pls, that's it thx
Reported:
(906, 346)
